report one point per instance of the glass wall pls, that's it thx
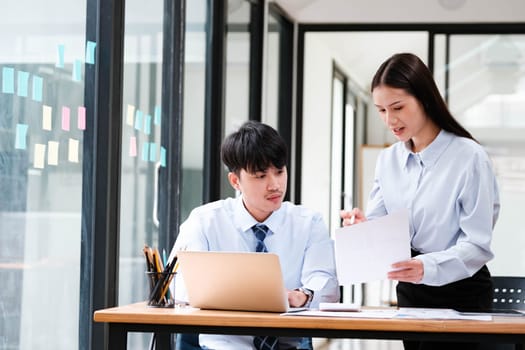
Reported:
(486, 93)
(193, 122)
(142, 152)
(42, 121)
(237, 73)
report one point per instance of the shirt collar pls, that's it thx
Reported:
(432, 152)
(244, 220)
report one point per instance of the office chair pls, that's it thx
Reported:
(509, 294)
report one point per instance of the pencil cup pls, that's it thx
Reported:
(160, 294)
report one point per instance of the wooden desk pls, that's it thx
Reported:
(141, 318)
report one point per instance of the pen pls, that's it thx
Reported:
(352, 219)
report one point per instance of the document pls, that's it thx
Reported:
(364, 252)
(401, 313)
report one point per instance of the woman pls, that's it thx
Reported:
(445, 178)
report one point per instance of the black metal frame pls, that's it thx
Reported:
(214, 98)
(101, 169)
(256, 59)
(169, 189)
(118, 333)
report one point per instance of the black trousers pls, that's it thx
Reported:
(470, 294)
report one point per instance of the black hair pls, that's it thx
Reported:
(406, 71)
(254, 147)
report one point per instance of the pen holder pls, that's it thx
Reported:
(160, 294)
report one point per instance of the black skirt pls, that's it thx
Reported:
(470, 294)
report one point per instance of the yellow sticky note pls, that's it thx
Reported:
(130, 115)
(40, 156)
(52, 153)
(46, 117)
(72, 154)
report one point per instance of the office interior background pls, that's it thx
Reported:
(112, 113)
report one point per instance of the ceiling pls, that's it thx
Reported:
(364, 63)
(403, 11)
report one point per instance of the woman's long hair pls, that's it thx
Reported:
(406, 71)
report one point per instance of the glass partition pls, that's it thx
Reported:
(142, 152)
(42, 121)
(486, 92)
(193, 120)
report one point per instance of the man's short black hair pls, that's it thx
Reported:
(254, 147)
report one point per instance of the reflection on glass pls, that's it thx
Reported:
(487, 95)
(142, 152)
(42, 121)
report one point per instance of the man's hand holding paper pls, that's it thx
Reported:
(368, 251)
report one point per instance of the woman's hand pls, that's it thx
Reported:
(407, 271)
(353, 216)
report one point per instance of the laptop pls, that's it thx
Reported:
(233, 281)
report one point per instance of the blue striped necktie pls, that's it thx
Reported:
(263, 342)
(260, 232)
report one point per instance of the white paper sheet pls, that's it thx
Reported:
(365, 252)
(408, 313)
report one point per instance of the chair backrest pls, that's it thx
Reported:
(509, 292)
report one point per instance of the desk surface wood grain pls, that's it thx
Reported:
(141, 313)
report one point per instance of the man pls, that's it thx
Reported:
(256, 158)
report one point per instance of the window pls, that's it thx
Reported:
(42, 122)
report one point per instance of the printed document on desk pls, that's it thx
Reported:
(364, 252)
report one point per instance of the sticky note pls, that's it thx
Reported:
(138, 119)
(130, 115)
(72, 154)
(152, 152)
(21, 136)
(52, 152)
(90, 52)
(66, 114)
(162, 156)
(132, 146)
(46, 117)
(60, 56)
(77, 70)
(147, 124)
(23, 82)
(38, 86)
(81, 121)
(157, 115)
(8, 80)
(40, 156)
(145, 151)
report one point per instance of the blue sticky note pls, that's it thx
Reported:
(90, 52)
(60, 56)
(162, 156)
(145, 151)
(147, 124)
(157, 115)
(152, 152)
(138, 119)
(23, 82)
(77, 70)
(38, 85)
(8, 80)
(21, 136)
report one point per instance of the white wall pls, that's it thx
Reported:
(315, 167)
